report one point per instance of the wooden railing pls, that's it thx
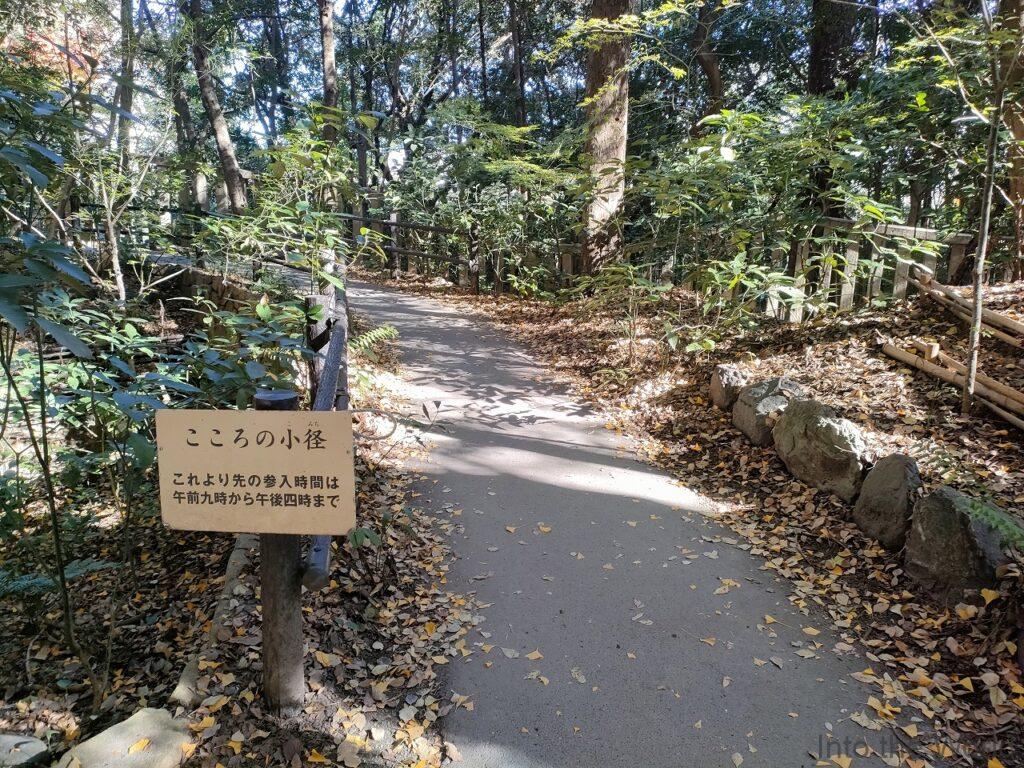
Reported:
(841, 264)
(410, 247)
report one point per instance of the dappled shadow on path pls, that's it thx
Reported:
(649, 623)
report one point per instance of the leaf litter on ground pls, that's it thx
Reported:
(957, 668)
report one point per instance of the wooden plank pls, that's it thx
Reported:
(957, 253)
(848, 286)
(398, 224)
(281, 588)
(874, 279)
(773, 306)
(329, 384)
(825, 264)
(902, 272)
(902, 230)
(929, 261)
(796, 270)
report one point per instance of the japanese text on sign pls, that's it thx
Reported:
(256, 471)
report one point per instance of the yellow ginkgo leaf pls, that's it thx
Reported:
(316, 757)
(989, 595)
(323, 658)
(535, 655)
(138, 746)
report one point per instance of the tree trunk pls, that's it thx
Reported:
(832, 70)
(277, 42)
(330, 69)
(1011, 69)
(707, 58)
(480, 20)
(1014, 120)
(607, 130)
(832, 62)
(988, 187)
(185, 133)
(230, 168)
(518, 68)
(126, 90)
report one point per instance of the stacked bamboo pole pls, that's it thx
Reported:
(1004, 401)
(999, 326)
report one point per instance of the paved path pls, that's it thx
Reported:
(617, 595)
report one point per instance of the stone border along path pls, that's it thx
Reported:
(608, 570)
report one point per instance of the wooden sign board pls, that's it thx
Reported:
(256, 471)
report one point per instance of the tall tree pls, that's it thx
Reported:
(832, 70)
(606, 135)
(329, 65)
(1011, 70)
(707, 57)
(518, 66)
(230, 167)
(833, 62)
(480, 23)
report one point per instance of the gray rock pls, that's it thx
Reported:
(726, 383)
(760, 404)
(109, 749)
(820, 448)
(886, 500)
(950, 545)
(18, 750)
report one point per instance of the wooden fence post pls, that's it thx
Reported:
(281, 584)
(328, 337)
(474, 258)
(957, 254)
(499, 269)
(796, 270)
(877, 269)
(901, 275)
(393, 260)
(849, 284)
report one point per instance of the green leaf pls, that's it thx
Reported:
(142, 450)
(49, 154)
(12, 312)
(19, 160)
(70, 269)
(17, 281)
(255, 370)
(65, 338)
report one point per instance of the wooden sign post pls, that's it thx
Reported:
(214, 471)
(278, 472)
(284, 677)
